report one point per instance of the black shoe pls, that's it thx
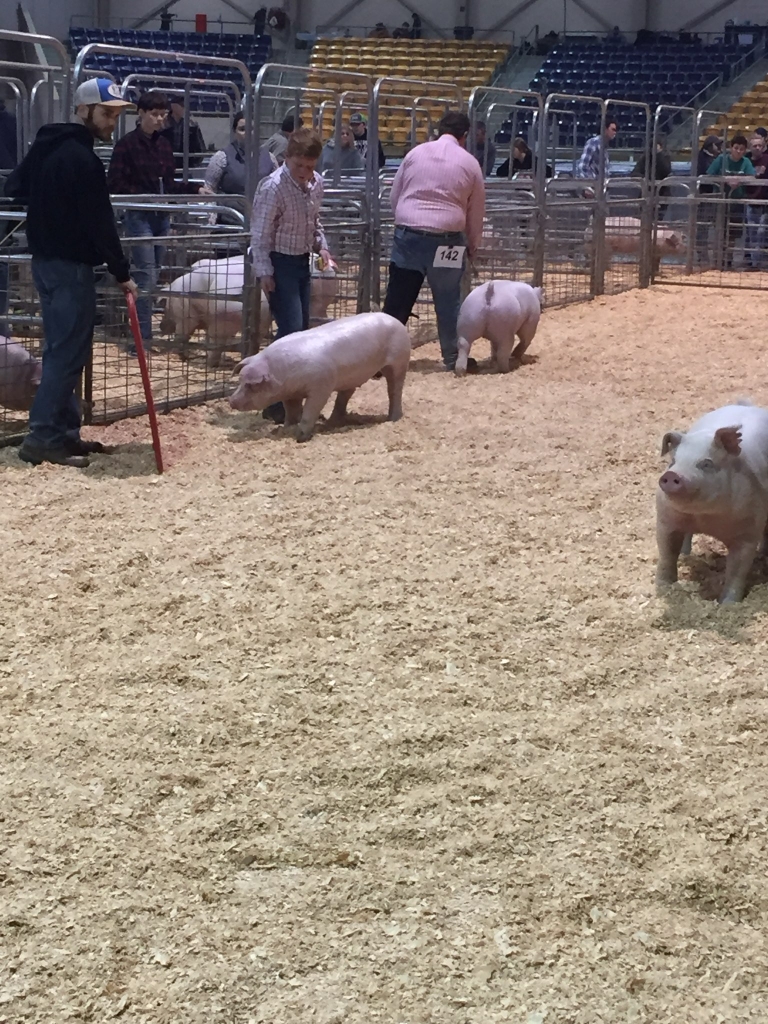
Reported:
(61, 456)
(275, 412)
(80, 447)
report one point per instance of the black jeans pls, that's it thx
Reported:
(68, 301)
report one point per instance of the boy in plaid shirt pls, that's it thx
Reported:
(285, 230)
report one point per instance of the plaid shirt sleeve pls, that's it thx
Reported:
(588, 165)
(266, 210)
(118, 176)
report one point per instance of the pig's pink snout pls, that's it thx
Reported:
(671, 483)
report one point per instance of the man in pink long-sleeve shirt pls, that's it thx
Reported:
(438, 198)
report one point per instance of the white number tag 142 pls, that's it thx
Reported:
(450, 256)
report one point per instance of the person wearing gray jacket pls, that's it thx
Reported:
(350, 160)
(226, 171)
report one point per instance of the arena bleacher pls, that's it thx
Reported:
(749, 112)
(251, 50)
(464, 64)
(669, 73)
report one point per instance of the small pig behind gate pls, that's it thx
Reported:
(623, 235)
(20, 376)
(498, 310)
(717, 484)
(307, 367)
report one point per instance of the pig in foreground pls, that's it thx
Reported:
(207, 297)
(623, 235)
(716, 483)
(20, 375)
(307, 367)
(498, 310)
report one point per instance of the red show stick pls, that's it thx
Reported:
(134, 321)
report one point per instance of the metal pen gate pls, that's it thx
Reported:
(547, 230)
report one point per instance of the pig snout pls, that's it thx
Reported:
(672, 483)
(237, 399)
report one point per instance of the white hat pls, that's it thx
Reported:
(100, 90)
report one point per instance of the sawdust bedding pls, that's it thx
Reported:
(389, 726)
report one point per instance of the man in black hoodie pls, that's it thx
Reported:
(70, 230)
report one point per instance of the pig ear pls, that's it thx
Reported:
(729, 438)
(239, 367)
(671, 439)
(673, 239)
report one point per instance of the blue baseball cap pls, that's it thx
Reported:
(100, 90)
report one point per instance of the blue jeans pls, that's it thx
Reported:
(146, 259)
(412, 257)
(289, 301)
(68, 301)
(757, 226)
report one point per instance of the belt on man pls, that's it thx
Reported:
(429, 234)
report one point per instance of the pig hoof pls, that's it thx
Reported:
(460, 371)
(303, 435)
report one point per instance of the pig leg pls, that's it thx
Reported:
(313, 406)
(339, 415)
(293, 408)
(460, 367)
(670, 543)
(395, 378)
(503, 353)
(526, 335)
(737, 566)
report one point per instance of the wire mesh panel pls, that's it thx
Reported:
(345, 289)
(627, 234)
(195, 297)
(510, 233)
(21, 340)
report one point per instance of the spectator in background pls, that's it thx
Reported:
(226, 170)
(260, 21)
(70, 230)
(359, 125)
(415, 26)
(438, 199)
(175, 134)
(595, 150)
(379, 31)
(485, 151)
(659, 169)
(285, 230)
(166, 19)
(762, 132)
(712, 148)
(732, 166)
(522, 161)
(350, 161)
(278, 143)
(615, 37)
(142, 164)
(757, 215)
(402, 31)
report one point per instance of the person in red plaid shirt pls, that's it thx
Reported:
(143, 164)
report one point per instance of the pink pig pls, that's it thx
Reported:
(20, 375)
(716, 483)
(307, 367)
(498, 310)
